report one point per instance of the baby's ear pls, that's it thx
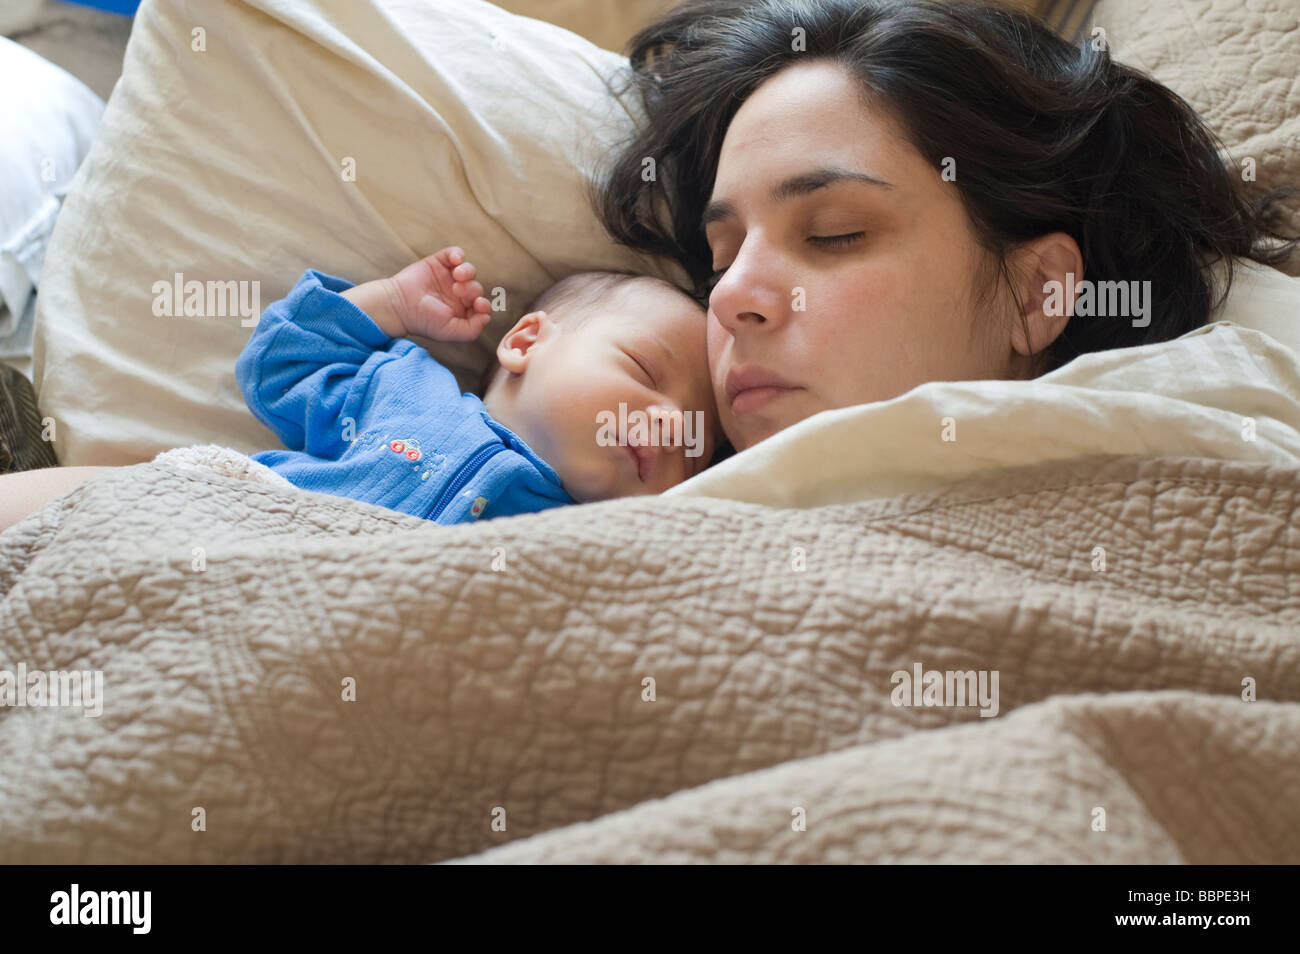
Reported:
(516, 347)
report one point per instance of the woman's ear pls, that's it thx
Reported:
(517, 346)
(1047, 271)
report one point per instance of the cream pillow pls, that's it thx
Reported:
(246, 142)
(607, 23)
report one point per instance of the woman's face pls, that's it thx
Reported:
(837, 290)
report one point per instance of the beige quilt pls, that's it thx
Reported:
(293, 677)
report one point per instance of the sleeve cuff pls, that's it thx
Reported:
(366, 330)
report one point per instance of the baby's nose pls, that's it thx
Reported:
(665, 420)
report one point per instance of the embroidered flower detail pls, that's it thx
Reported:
(408, 449)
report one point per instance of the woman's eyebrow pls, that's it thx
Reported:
(801, 184)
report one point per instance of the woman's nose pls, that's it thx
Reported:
(749, 294)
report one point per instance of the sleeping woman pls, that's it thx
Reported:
(872, 194)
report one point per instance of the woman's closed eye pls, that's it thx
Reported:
(835, 241)
(820, 241)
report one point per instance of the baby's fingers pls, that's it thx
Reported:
(450, 257)
(467, 328)
(467, 291)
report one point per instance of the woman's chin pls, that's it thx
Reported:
(744, 432)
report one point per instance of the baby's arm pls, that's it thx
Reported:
(303, 360)
(312, 356)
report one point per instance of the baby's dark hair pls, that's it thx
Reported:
(579, 289)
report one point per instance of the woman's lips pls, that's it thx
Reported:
(752, 399)
(750, 388)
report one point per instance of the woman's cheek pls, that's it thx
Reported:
(715, 344)
(713, 336)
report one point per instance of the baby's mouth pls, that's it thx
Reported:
(643, 458)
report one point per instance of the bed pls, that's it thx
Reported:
(710, 675)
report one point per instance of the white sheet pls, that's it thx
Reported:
(1223, 391)
(48, 118)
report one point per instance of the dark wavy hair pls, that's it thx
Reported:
(1048, 136)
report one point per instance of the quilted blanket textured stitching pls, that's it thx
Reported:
(1020, 791)
(500, 674)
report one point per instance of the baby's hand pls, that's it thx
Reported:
(438, 298)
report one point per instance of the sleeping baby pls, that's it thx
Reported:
(601, 390)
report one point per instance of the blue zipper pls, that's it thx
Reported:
(464, 475)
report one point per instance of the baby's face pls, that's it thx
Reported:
(590, 392)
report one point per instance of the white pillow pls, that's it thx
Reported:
(222, 156)
(1264, 299)
(48, 118)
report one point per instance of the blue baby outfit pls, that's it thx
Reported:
(377, 419)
